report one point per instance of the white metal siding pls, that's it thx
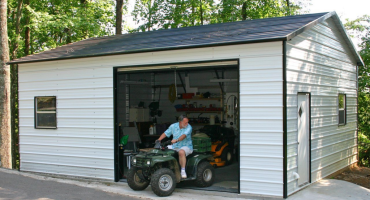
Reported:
(261, 130)
(319, 62)
(83, 143)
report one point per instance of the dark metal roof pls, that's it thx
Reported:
(250, 31)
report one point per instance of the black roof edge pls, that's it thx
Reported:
(310, 25)
(154, 50)
(341, 29)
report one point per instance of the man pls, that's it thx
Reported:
(181, 142)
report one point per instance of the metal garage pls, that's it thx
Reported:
(297, 91)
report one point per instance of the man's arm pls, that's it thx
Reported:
(162, 137)
(182, 137)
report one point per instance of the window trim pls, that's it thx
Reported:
(345, 109)
(35, 113)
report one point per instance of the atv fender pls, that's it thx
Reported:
(192, 164)
(172, 165)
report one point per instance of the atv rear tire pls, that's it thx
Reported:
(134, 181)
(227, 156)
(163, 182)
(205, 175)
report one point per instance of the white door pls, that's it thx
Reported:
(303, 138)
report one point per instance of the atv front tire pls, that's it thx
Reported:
(134, 180)
(205, 175)
(163, 182)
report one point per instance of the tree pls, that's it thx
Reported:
(27, 36)
(5, 134)
(54, 23)
(165, 14)
(236, 10)
(119, 8)
(37, 25)
(150, 13)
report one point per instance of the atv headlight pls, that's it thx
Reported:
(134, 160)
(148, 162)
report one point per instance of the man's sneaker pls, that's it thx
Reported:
(183, 174)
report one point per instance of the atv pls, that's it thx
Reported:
(160, 168)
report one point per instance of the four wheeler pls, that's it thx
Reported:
(223, 140)
(160, 168)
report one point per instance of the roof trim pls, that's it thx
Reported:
(341, 29)
(349, 42)
(310, 25)
(155, 50)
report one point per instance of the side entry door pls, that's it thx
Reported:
(303, 138)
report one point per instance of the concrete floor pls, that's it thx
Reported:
(226, 180)
(332, 189)
(327, 189)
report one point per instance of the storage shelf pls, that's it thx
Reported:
(216, 111)
(180, 86)
(202, 124)
(201, 99)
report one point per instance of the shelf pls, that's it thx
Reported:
(180, 86)
(202, 99)
(216, 111)
(202, 124)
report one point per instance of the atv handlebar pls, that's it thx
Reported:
(162, 145)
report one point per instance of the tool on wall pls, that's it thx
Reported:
(154, 106)
(231, 110)
(172, 93)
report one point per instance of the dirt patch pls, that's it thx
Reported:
(357, 175)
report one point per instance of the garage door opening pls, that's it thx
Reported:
(148, 99)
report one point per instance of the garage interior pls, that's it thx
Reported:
(150, 98)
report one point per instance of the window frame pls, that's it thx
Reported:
(36, 112)
(344, 109)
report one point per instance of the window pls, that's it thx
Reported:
(342, 109)
(45, 112)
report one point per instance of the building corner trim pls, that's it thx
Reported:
(285, 136)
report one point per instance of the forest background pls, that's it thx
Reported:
(34, 26)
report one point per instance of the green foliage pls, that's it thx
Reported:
(57, 22)
(164, 14)
(341, 101)
(364, 150)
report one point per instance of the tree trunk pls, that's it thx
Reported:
(14, 88)
(17, 29)
(150, 15)
(27, 31)
(201, 12)
(14, 115)
(244, 11)
(192, 13)
(5, 133)
(288, 7)
(119, 7)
